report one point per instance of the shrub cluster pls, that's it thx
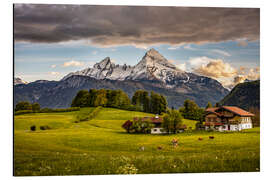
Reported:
(45, 127)
(138, 126)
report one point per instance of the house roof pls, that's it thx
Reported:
(233, 109)
(212, 109)
(237, 111)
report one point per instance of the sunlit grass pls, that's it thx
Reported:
(99, 146)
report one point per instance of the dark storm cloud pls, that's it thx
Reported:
(141, 26)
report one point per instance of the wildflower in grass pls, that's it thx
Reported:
(141, 148)
(175, 142)
(121, 159)
(127, 169)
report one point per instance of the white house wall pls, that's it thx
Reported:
(157, 131)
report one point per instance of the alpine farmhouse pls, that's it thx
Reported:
(227, 118)
(157, 124)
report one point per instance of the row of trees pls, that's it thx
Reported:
(27, 106)
(138, 126)
(156, 103)
(141, 101)
(101, 97)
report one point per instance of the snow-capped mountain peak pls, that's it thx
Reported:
(104, 64)
(153, 66)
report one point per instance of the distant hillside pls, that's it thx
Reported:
(244, 95)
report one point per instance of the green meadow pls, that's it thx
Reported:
(101, 146)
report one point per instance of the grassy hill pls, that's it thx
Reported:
(244, 95)
(101, 146)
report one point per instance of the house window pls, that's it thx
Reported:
(155, 130)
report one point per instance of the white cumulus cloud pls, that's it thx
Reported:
(54, 73)
(216, 68)
(73, 63)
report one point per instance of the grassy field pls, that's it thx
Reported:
(101, 146)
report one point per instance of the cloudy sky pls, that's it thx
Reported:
(53, 40)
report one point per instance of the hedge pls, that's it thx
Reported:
(48, 110)
(89, 116)
(23, 112)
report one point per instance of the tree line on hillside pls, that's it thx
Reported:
(141, 101)
(25, 107)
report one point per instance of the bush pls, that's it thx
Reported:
(138, 126)
(23, 112)
(46, 127)
(33, 128)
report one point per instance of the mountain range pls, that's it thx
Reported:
(153, 73)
